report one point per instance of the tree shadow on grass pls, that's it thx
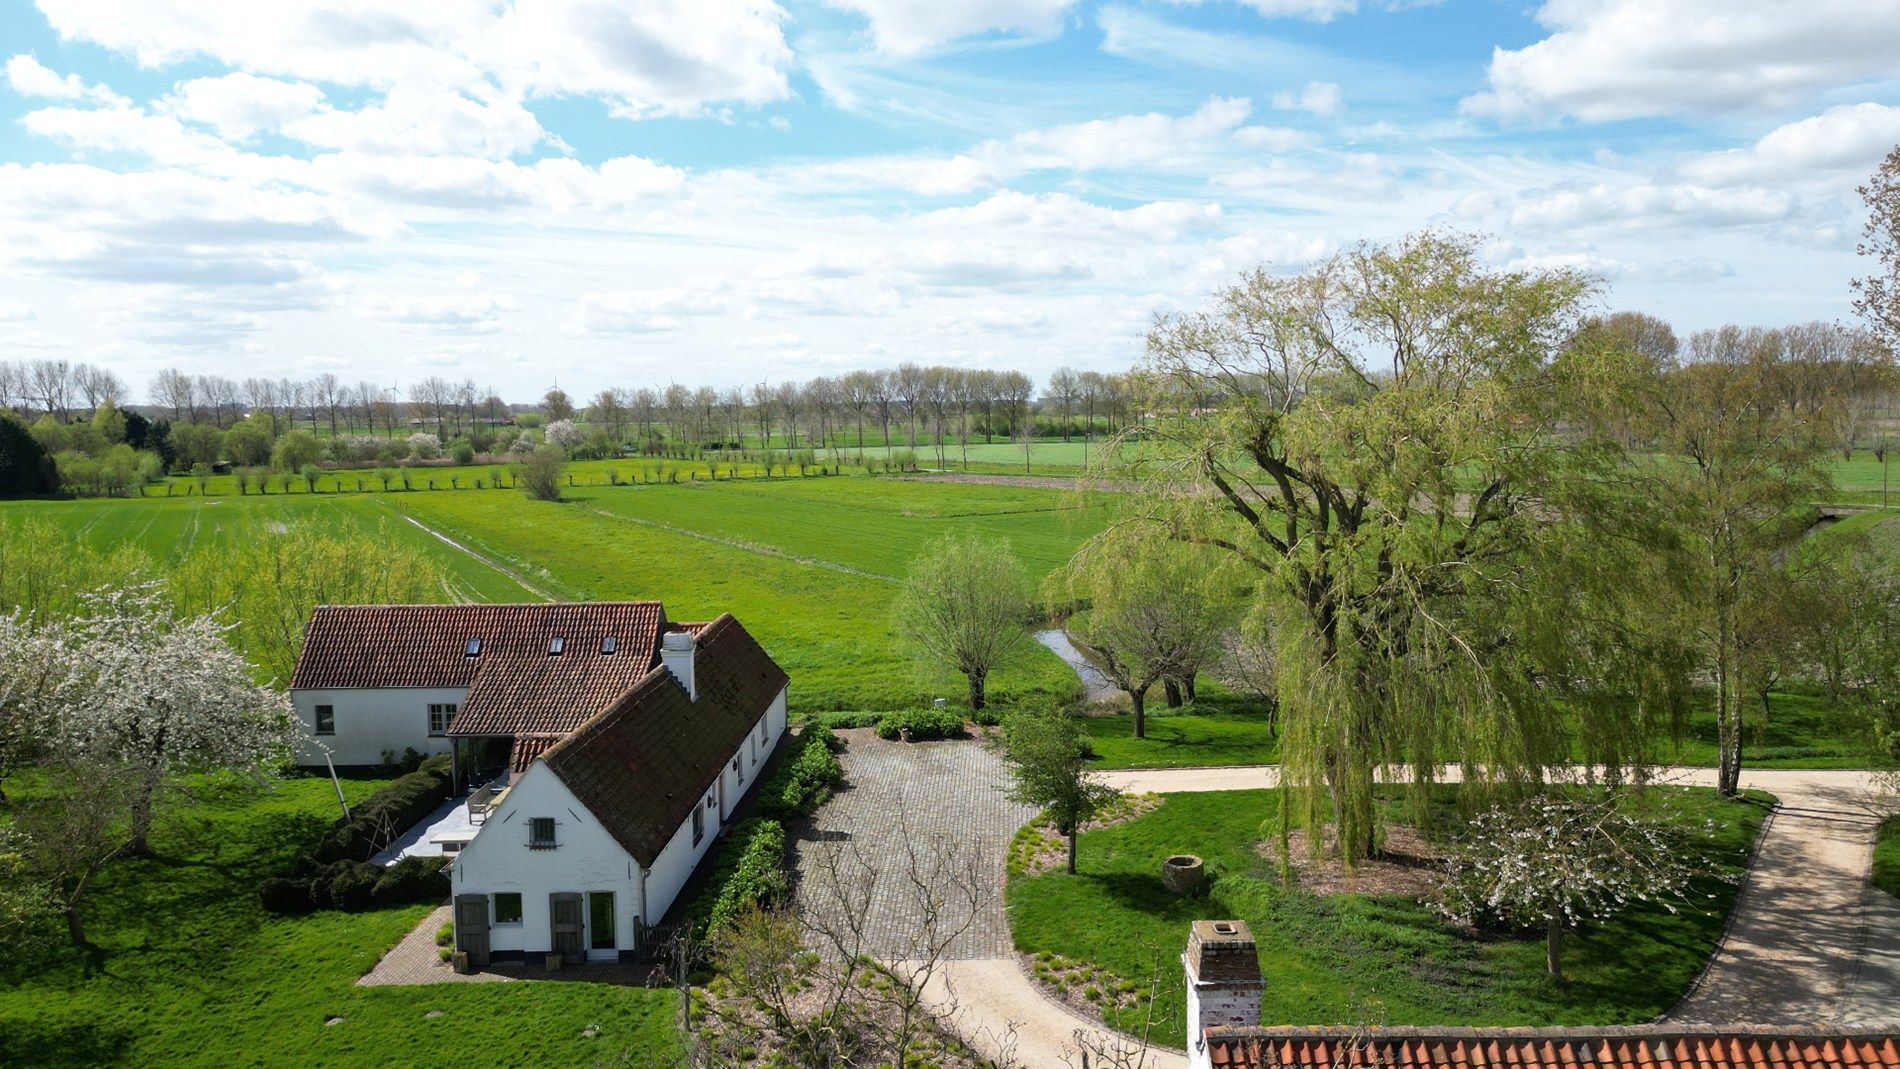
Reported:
(44, 1042)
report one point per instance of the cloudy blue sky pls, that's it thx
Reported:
(603, 192)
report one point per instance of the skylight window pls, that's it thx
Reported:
(474, 647)
(556, 645)
(608, 645)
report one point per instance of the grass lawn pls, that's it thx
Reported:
(1352, 959)
(189, 970)
(1886, 875)
(1210, 731)
(1804, 729)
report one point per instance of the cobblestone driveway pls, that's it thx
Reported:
(943, 803)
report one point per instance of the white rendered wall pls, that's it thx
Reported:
(586, 859)
(370, 721)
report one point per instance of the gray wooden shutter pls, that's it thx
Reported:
(564, 916)
(471, 928)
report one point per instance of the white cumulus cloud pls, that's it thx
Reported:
(1624, 59)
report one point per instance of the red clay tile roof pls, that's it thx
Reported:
(514, 686)
(1637, 1047)
(643, 764)
(527, 749)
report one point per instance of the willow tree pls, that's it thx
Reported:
(1389, 441)
(1145, 607)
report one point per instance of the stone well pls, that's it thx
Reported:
(1183, 873)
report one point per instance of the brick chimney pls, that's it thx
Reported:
(1223, 982)
(676, 653)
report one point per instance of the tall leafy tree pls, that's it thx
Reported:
(1878, 294)
(1732, 468)
(26, 469)
(964, 608)
(1146, 608)
(1384, 440)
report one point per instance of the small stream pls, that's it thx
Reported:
(1097, 684)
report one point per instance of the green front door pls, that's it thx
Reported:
(600, 921)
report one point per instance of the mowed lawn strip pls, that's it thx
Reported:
(829, 629)
(1357, 960)
(189, 969)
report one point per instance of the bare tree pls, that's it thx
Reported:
(1064, 386)
(1877, 296)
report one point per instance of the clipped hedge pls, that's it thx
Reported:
(852, 718)
(750, 872)
(923, 724)
(380, 818)
(805, 779)
(357, 885)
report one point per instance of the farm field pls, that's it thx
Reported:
(188, 969)
(809, 565)
(167, 529)
(1369, 960)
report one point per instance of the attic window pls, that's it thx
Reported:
(474, 648)
(556, 645)
(608, 645)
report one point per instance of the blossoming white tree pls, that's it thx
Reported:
(1560, 861)
(564, 433)
(424, 446)
(162, 697)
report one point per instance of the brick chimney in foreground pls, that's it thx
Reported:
(1223, 982)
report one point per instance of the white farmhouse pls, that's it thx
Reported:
(623, 743)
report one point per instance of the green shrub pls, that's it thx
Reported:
(856, 718)
(352, 886)
(285, 895)
(805, 779)
(413, 879)
(989, 716)
(923, 724)
(750, 871)
(380, 818)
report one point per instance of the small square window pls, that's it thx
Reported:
(474, 647)
(326, 719)
(541, 833)
(441, 714)
(699, 825)
(507, 907)
(556, 645)
(761, 729)
(608, 645)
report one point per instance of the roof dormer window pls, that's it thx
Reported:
(608, 645)
(556, 645)
(474, 648)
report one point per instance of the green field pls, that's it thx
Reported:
(168, 529)
(187, 969)
(809, 565)
(1358, 960)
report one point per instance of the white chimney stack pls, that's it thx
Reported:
(1223, 983)
(676, 653)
